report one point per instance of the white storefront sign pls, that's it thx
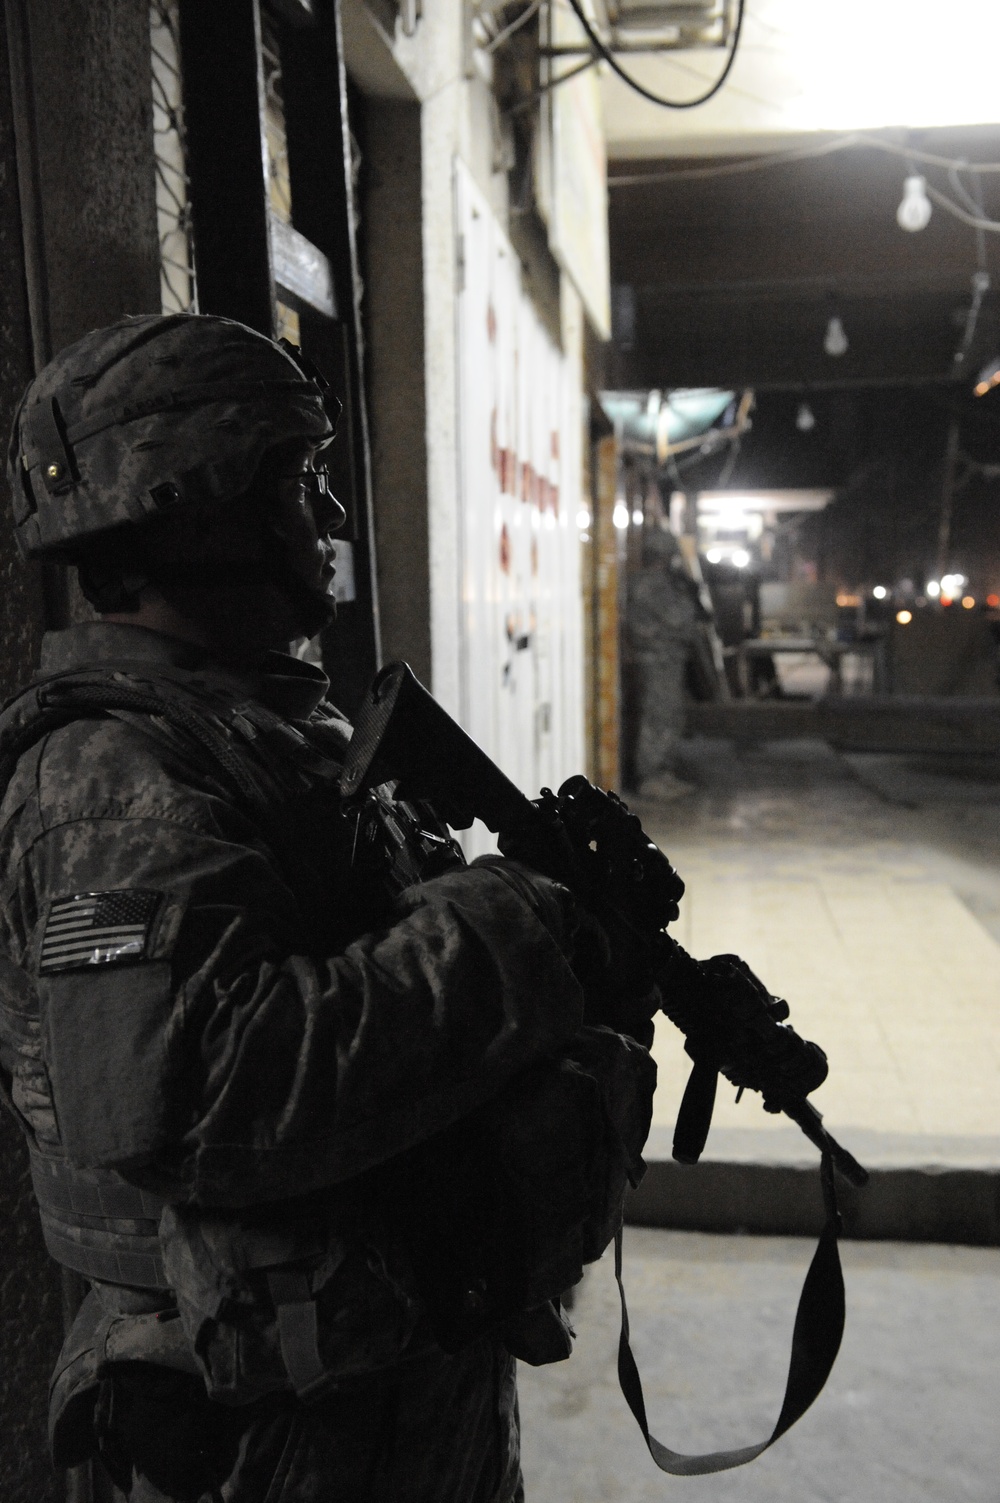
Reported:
(520, 442)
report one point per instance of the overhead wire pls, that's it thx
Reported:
(633, 83)
(508, 31)
(797, 154)
(552, 83)
(975, 221)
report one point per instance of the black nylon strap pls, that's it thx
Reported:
(819, 1326)
(298, 1329)
(55, 454)
(67, 698)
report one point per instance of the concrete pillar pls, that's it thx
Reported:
(394, 343)
(30, 1307)
(30, 1302)
(85, 130)
(78, 249)
(443, 91)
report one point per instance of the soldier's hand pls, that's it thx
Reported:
(552, 903)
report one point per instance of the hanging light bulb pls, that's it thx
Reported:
(835, 342)
(915, 209)
(805, 418)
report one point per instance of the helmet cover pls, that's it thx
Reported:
(148, 414)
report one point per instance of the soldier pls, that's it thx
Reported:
(237, 1052)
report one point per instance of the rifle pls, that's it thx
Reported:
(588, 840)
(406, 752)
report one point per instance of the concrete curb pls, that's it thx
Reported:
(933, 1203)
(902, 724)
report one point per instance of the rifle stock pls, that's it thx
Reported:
(403, 735)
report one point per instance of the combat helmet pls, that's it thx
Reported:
(150, 414)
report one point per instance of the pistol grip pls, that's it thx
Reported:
(695, 1115)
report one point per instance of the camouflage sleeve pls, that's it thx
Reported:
(216, 1061)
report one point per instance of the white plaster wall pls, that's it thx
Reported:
(536, 732)
(519, 436)
(455, 121)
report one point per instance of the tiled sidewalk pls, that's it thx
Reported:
(858, 910)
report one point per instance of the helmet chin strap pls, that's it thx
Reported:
(315, 608)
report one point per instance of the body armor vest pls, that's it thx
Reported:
(97, 1224)
(93, 1221)
(511, 1243)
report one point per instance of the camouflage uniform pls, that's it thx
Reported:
(241, 1049)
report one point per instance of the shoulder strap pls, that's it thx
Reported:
(223, 732)
(819, 1326)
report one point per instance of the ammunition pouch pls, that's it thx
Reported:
(97, 1342)
(287, 1303)
(502, 1211)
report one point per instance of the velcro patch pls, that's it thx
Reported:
(97, 928)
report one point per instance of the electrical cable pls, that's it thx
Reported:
(633, 83)
(798, 154)
(929, 157)
(508, 31)
(980, 277)
(974, 205)
(977, 221)
(980, 287)
(733, 169)
(553, 83)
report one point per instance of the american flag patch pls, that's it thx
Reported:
(97, 928)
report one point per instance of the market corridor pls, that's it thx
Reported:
(866, 891)
(909, 1414)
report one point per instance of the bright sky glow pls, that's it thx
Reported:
(873, 63)
(804, 66)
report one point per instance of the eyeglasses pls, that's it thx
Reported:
(314, 485)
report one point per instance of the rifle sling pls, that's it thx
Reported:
(819, 1326)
